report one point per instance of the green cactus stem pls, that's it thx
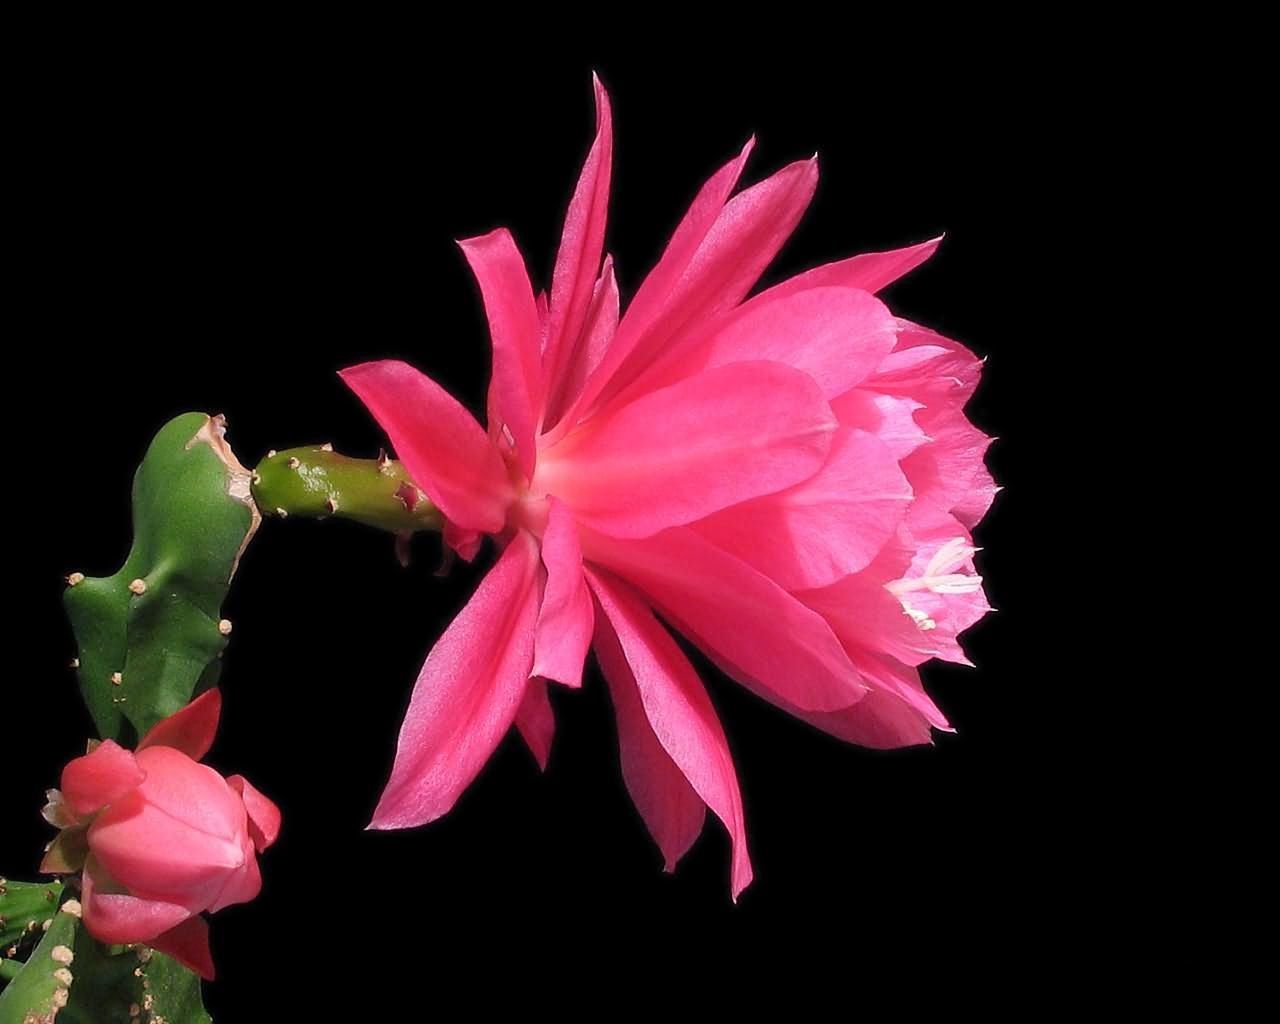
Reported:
(24, 907)
(150, 635)
(40, 988)
(318, 483)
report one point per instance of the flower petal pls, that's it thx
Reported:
(671, 808)
(188, 943)
(838, 336)
(746, 236)
(566, 616)
(241, 886)
(826, 527)
(682, 719)
(191, 729)
(597, 335)
(444, 449)
(651, 297)
(746, 622)
(264, 815)
(467, 693)
(536, 721)
(118, 917)
(578, 260)
(104, 775)
(516, 387)
(869, 271)
(681, 453)
(889, 417)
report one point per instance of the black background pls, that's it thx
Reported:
(225, 238)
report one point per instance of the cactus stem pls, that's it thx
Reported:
(138, 586)
(75, 579)
(316, 482)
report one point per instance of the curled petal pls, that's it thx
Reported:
(190, 730)
(467, 693)
(120, 917)
(565, 618)
(445, 450)
(106, 774)
(724, 436)
(264, 815)
(658, 697)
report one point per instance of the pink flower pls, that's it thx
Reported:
(788, 480)
(160, 837)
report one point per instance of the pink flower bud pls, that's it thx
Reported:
(167, 837)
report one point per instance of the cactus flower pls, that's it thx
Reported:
(160, 837)
(786, 479)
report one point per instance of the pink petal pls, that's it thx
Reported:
(944, 472)
(241, 886)
(566, 617)
(681, 453)
(188, 943)
(157, 859)
(516, 388)
(671, 808)
(597, 335)
(828, 526)
(869, 271)
(191, 729)
(445, 450)
(465, 543)
(190, 794)
(751, 626)
(679, 713)
(868, 618)
(838, 336)
(651, 298)
(578, 259)
(889, 417)
(880, 721)
(746, 236)
(119, 917)
(264, 815)
(977, 500)
(467, 693)
(101, 777)
(927, 366)
(536, 721)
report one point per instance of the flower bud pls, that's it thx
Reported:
(160, 837)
